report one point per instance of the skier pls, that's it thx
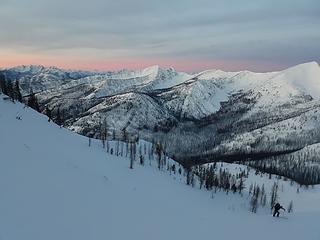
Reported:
(277, 207)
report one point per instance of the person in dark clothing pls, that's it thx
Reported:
(277, 207)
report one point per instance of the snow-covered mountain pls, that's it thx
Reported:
(39, 78)
(54, 186)
(199, 117)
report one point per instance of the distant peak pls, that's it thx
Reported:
(28, 67)
(154, 68)
(308, 66)
(32, 68)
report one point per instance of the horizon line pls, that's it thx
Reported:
(136, 68)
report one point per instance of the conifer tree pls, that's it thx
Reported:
(133, 149)
(254, 199)
(33, 102)
(17, 92)
(241, 185)
(58, 119)
(3, 84)
(10, 91)
(274, 195)
(159, 155)
(290, 207)
(48, 112)
(189, 173)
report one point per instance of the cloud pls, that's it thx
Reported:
(264, 30)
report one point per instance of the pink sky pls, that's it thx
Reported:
(188, 65)
(258, 36)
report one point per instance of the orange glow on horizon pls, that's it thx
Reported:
(187, 65)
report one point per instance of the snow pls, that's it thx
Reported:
(277, 88)
(305, 77)
(196, 95)
(304, 200)
(130, 108)
(53, 186)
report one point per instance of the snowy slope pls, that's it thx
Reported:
(304, 199)
(208, 110)
(305, 77)
(41, 78)
(204, 95)
(196, 96)
(144, 80)
(130, 111)
(53, 186)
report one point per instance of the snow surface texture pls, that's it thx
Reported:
(53, 186)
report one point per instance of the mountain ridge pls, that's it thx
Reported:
(199, 115)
